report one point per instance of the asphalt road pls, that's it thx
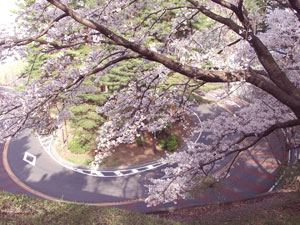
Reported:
(35, 169)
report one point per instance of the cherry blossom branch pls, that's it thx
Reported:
(263, 134)
(158, 11)
(188, 170)
(276, 74)
(26, 41)
(190, 71)
(295, 4)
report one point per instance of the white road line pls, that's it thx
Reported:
(150, 167)
(29, 158)
(135, 170)
(118, 173)
(97, 173)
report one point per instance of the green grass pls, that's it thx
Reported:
(78, 159)
(111, 162)
(20, 209)
(81, 161)
(210, 86)
(282, 208)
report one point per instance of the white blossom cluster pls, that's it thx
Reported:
(138, 108)
(282, 38)
(31, 108)
(144, 106)
(195, 164)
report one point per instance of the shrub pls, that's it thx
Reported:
(76, 146)
(172, 143)
(162, 143)
(139, 142)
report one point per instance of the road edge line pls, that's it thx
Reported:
(48, 197)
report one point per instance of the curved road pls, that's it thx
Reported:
(35, 172)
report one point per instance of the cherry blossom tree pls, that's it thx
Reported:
(257, 45)
(143, 106)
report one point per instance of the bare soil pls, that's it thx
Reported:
(276, 208)
(125, 154)
(131, 154)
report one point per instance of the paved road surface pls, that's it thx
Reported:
(38, 173)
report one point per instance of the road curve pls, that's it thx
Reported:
(35, 172)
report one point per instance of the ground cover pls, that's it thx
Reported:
(210, 87)
(125, 154)
(280, 207)
(130, 154)
(277, 208)
(20, 209)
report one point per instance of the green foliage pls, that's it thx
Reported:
(162, 143)
(87, 124)
(172, 143)
(21, 209)
(119, 76)
(198, 99)
(35, 61)
(86, 121)
(76, 146)
(139, 142)
(252, 5)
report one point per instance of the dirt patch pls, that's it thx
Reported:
(277, 208)
(125, 154)
(131, 154)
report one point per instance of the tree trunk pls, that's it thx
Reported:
(143, 140)
(66, 136)
(154, 143)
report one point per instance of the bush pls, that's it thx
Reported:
(172, 143)
(76, 146)
(162, 143)
(139, 142)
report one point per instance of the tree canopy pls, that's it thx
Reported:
(228, 41)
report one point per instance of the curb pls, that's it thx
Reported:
(107, 172)
(51, 198)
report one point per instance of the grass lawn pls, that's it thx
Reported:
(279, 208)
(20, 209)
(210, 86)
(79, 159)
